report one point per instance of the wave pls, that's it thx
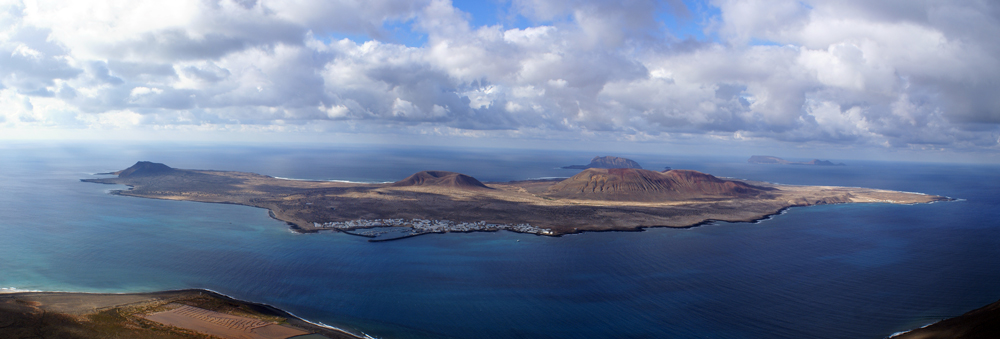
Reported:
(908, 331)
(337, 180)
(15, 290)
(771, 216)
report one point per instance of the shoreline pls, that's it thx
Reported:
(983, 322)
(293, 227)
(86, 303)
(297, 229)
(290, 314)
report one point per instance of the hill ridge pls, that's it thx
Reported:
(441, 179)
(144, 168)
(631, 184)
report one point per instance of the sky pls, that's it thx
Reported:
(893, 79)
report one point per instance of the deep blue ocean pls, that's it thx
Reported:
(836, 271)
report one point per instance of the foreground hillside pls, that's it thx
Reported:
(59, 315)
(983, 323)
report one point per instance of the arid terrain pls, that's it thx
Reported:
(162, 315)
(593, 200)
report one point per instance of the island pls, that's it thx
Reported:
(617, 199)
(767, 159)
(193, 313)
(607, 162)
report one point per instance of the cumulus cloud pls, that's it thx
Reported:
(885, 74)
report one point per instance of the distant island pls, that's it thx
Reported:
(440, 201)
(767, 159)
(607, 162)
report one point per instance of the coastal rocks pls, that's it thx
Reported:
(607, 162)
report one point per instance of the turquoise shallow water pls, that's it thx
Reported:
(842, 271)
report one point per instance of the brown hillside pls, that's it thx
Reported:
(441, 179)
(629, 184)
(144, 168)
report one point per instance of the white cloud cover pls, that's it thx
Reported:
(895, 74)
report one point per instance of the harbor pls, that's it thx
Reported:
(390, 229)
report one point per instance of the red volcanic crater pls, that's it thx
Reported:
(441, 179)
(630, 184)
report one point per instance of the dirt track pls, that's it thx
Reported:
(221, 324)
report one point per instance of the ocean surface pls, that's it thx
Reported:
(836, 271)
